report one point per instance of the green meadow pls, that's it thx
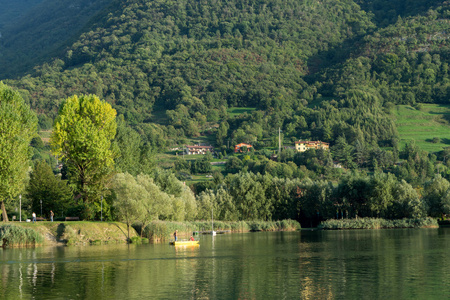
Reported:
(428, 126)
(235, 111)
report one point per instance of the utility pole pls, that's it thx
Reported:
(279, 140)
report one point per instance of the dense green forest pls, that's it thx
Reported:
(331, 70)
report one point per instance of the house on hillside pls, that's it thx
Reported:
(197, 149)
(302, 146)
(238, 147)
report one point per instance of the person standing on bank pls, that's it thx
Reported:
(51, 215)
(34, 217)
(175, 235)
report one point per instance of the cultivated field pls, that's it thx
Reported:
(423, 125)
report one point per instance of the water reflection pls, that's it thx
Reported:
(280, 265)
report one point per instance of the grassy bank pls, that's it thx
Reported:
(84, 232)
(73, 233)
(163, 230)
(377, 223)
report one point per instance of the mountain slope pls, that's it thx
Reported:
(221, 52)
(182, 63)
(41, 30)
(13, 10)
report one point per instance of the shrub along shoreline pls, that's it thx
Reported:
(23, 234)
(87, 232)
(17, 236)
(159, 231)
(377, 223)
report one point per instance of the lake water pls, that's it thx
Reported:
(357, 264)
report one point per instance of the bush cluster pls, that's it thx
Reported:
(377, 223)
(15, 236)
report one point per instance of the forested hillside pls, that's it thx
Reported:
(32, 31)
(316, 69)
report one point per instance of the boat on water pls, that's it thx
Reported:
(184, 243)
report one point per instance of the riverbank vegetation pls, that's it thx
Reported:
(18, 236)
(377, 223)
(66, 233)
(93, 233)
(161, 231)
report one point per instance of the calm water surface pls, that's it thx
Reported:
(358, 264)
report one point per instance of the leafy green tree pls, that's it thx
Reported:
(133, 155)
(406, 203)
(280, 193)
(82, 137)
(207, 204)
(435, 196)
(226, 205)
(181, 200)
(201, 166)
(155, 202)
(315, 202)
(249, 196)
(17, 127)
(44, 186)
(129, 199)
(233, 164)
(222, 133)
(342, 152)
(381, 192)
(354, 194)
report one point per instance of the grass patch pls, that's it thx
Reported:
(81, 232)
(424, 125)
(235, 111)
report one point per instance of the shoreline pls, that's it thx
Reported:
(94, 232)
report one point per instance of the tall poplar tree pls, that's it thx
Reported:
(17, 127)
(82, 137)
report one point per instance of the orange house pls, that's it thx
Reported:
(238, 147)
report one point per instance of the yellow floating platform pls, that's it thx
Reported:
(184, 243)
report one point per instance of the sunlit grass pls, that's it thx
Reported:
(423, 125)
(234, 111)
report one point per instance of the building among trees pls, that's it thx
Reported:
(302, 146)
(239, 147)
(193, 149)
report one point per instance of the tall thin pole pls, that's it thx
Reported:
(20, 208)
(279, 139)
(101, 210)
